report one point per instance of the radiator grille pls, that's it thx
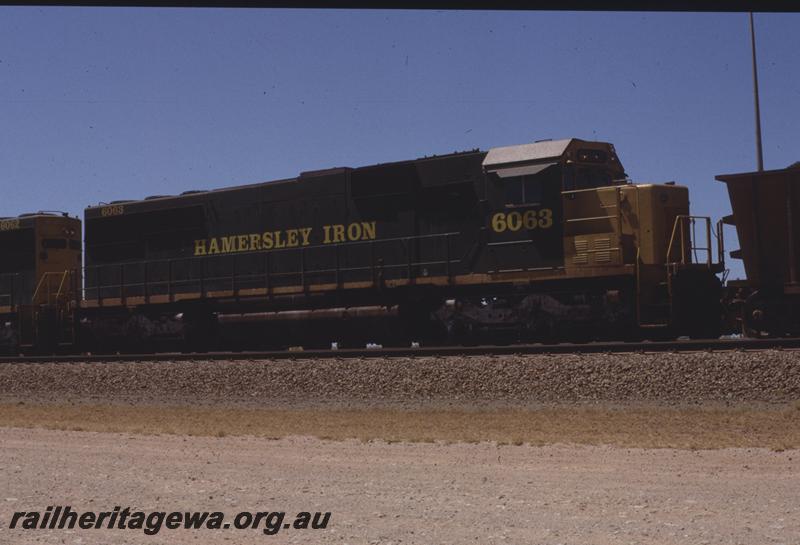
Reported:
(581, 252)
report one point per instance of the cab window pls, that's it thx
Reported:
(585, 178)
(522, 190)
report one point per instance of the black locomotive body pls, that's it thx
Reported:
(454, 245)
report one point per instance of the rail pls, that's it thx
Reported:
(706, 345)
(177, 276)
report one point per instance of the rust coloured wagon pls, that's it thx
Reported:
(766, 214)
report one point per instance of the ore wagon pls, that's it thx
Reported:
(766, 214)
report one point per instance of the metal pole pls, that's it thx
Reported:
(759, 153)
(790, 230)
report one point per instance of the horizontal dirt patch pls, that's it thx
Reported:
(656, 427)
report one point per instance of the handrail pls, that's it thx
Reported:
(44, 280)
(198, 275)
(638, 287)
(588, 189)
(61, 284)
(720, 243)
(240, 278)
(679, 220)
(592, 218)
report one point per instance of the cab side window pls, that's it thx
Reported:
(585, 178)
(523, 190)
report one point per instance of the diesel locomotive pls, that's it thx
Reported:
(544, 241)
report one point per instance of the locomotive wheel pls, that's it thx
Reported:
(759, 318)
(137, 335)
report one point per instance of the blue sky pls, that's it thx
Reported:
(99, 104)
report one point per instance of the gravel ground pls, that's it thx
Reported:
(423, 494)
(771, 376)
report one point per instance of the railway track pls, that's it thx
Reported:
(379, 352)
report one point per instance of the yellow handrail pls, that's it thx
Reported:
(679, 220)
(638, 287)
(44, 280)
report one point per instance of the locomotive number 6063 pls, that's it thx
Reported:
(530, 219)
